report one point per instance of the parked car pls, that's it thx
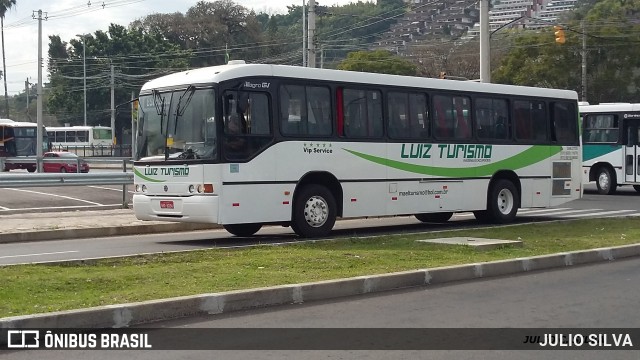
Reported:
(65, 162)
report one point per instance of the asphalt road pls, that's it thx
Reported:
(592, 205)
(603, 295)
(62, 198)
(45, 199)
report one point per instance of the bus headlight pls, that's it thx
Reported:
(192, 189)
(200, 188)
(144, 188)
(137, 187)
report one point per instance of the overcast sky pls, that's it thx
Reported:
(67, 18)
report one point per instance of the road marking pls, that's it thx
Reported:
(601, 213)
(39, 254)
(63, 207)
(532, 211)
(4, 208)
(561, 213)
(106, 188)
(60, 196)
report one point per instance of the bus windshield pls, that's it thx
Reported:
(177, 123)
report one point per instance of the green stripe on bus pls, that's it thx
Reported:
(138, 174)
(528, 157)
(590, 152)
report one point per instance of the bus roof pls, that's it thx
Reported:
(11, 123)
(216, 74)
(609, 107)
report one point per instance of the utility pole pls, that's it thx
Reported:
(113, 109)
(485, 51)
(584, 62)
(134, 122)
(304, 35)
(311, 58)
(26, 91)
(84, 69)
(40, 95)
(4, 71)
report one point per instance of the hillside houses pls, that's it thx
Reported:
(455, 19)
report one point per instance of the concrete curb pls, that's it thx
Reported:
(74, 233)
(124, 315)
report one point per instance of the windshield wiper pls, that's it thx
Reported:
(180, 109)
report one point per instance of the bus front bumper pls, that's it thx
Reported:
(195, 209)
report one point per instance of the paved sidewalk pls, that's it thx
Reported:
(76, 224)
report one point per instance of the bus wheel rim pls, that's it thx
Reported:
(603, 180)
(505, 201)
(316, 211)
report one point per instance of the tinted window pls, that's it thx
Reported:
(529, 118)
(492, 119)
(451, 117)
(600, 128)
(362, 113)
(305, 110)
(407, 116)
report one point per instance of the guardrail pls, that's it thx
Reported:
(113, 163)
(69, 179)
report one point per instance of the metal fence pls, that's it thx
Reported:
(18, 180)
(96, 150)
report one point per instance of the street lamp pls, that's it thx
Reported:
(84, 77)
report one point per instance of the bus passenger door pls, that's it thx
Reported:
(632, 152)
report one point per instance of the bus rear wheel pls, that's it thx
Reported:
(242, 230)
(434, 217)
(502, 203)
(605, 182)
(314, 211)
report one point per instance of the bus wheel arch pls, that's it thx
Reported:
(605, 177)
(503, 199)
(316, 205)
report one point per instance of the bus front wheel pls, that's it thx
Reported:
(502, 203)
(314, 211)
(242, 230)
(604, 182)
(434, 217)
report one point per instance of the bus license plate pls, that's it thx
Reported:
(166, 204)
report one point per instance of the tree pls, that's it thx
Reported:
(378, 61)
(612, 62)
(136, 57)
(5, 5)
(210, 27)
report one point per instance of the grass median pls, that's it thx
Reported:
(31, 289)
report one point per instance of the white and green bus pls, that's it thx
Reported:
(244, 145)
(611, 145)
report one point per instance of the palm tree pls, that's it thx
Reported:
(4, 6)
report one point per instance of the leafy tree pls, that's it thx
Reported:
(613, 59)
(379, 61)
(211, 28)
(136, 57)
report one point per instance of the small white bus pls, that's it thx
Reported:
(611, 145)
(83, 140)
(244, 145)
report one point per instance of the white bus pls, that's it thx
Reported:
(82, 140)
(312, 145)
(611, 145)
